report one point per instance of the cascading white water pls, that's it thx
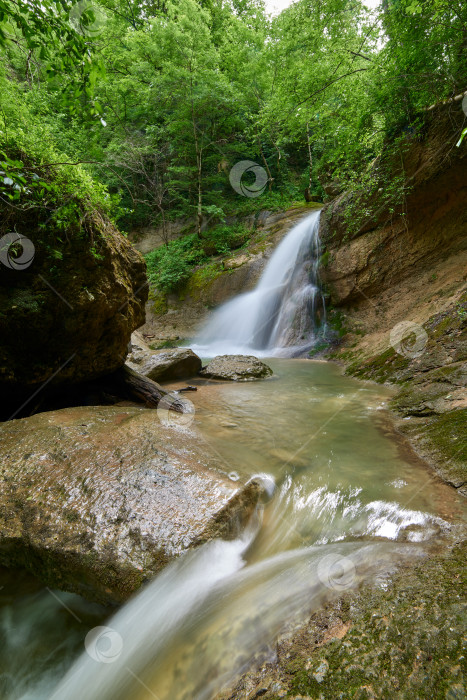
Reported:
(214, 611)
(283, 314)
(200, 622)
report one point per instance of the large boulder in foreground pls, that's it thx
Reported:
(164, 365)
(237, 368)
(97, 500)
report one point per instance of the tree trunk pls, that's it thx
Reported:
(131, 385)
(310, 160)
(199, 168)
(200, 198)
(265, 162)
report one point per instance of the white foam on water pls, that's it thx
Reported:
(282, 315)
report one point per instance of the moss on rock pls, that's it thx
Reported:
(407, 641)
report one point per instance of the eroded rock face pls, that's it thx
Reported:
(97, 500)
(237, 368)
(164, 365)
(388, 248)
(405, 271)
(68, 319)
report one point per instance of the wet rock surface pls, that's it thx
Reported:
(97, 500)
(236, 368)
(431, 405)
(164, 365)
(398, 271)
(404, 641)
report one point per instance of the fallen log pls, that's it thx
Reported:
(127, 383)
(122, 384)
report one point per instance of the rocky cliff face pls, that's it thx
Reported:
(68, 316)
(397, 290)
(420, 239)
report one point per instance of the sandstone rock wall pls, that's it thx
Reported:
(398, 295)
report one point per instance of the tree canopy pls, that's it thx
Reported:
(158, 99)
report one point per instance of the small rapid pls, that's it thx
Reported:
(203, 620)
(336, 518)
(285, 313)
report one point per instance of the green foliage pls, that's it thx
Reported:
(464, 133)
(170, 266)
(14, 182)
(379, 189)
(44, 30)
(160, 99)
(222, 239)
(41, 195)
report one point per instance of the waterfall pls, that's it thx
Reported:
(284, 314)
(199, 624)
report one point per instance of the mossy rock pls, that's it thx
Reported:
(67, 317)
(404, 641)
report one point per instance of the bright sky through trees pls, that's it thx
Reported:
(276, 6)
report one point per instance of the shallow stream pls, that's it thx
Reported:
(348, 502)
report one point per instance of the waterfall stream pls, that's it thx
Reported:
(345, 504)
(199, 624)
(337, 517)
(285, 312)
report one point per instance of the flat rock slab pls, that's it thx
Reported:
(237, 368)
(164, 365)
(97, 500)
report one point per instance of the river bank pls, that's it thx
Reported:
(404, 640)
(397, 294)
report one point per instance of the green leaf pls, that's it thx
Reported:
(464, 133)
